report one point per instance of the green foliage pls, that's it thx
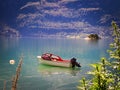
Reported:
(115, 46)
(83, 84)
(106, 74)
(115, 56)
(101, 77)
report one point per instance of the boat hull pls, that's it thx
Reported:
(55, 63)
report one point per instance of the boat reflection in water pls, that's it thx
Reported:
(53, 70)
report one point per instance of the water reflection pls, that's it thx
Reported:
(51, 70)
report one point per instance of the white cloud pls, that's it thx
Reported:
(66, 1)
(40, 5)
(69, 25)
(29, 19)
(36, 18)
(30, 4)
(89, 9)
(56, 8)
(59, 8)
(51, 4)
(105, 18)
(29, 15)
(7, 29)
(63, 11)
(85, 11)
(21, 16)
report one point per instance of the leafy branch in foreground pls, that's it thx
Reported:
(83, 84)
(106, 74)
(101, 77)
(115, 56)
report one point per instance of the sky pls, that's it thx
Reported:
(59, 16)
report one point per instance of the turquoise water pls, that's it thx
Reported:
(35, 76)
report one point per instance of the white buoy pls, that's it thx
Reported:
(12, 61)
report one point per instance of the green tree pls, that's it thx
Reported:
(94, 36)
(101, 77)
(115, 56)
(106, 74)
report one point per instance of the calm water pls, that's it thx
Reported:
(35, 76)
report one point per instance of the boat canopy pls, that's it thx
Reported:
(49, 56)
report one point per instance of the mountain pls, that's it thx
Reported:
(59, 17)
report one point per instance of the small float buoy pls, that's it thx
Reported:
(12, 61)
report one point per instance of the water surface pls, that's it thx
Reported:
(35, 76)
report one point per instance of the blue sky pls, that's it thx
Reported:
(60, 15)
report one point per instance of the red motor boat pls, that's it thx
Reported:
(54, 60)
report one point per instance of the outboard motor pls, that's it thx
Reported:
(74, 63)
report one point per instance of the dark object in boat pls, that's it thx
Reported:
(74, 63)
